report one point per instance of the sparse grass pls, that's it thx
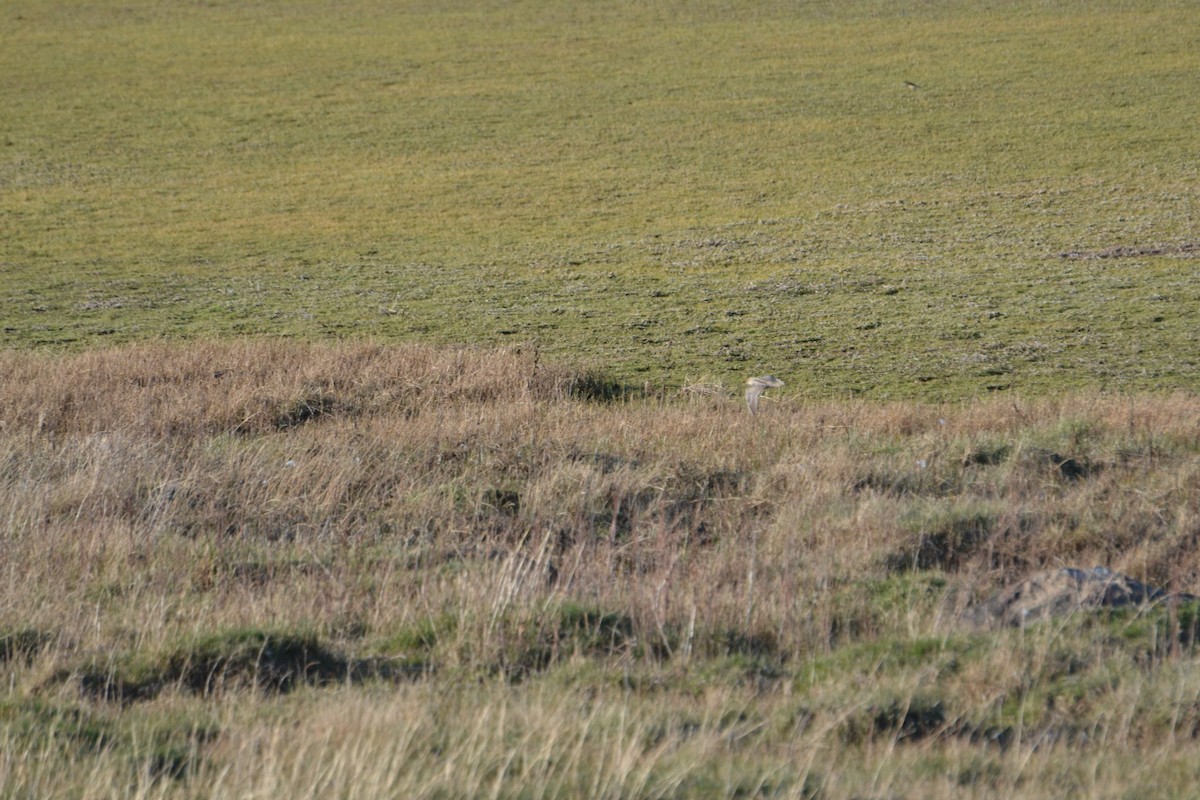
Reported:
(464, 577)
(683, 191)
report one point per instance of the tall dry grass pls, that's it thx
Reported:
(456, 516)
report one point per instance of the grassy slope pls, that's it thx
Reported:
(666, 192)
(677, 190)
(497, 588)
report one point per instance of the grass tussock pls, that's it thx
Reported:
(536, 593)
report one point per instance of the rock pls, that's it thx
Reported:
(1056, 593)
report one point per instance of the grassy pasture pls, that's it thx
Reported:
(683, 191)
(314, 551)
(268, 569)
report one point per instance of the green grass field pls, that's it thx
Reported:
(367, 412)
(678, 191)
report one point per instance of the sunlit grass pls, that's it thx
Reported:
(289, 569)
(679, 191)
(574, 566)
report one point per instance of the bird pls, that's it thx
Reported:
(911, 85)
(756, 386)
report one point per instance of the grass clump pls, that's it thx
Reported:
(263, 660)
(945, 536)
(127, 749)
(23, 644)
(912, 720)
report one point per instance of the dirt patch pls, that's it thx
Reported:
(1131, 251)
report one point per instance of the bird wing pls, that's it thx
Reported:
(752, 395)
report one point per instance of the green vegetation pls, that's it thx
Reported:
(674, 191)
(366, 424)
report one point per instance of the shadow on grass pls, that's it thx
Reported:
(944, 538)
(571, 629)
(22, 645)
(165, 747)
(271, 662)
(279, 662)
(596, 388)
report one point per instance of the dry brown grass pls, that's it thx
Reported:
(653, 597)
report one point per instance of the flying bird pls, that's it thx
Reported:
(756, 386)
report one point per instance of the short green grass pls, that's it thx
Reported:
(674, 191)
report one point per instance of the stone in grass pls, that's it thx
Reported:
(1056, 593)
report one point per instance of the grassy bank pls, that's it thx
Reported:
(367, 421)
(684, 190)
(249, 569)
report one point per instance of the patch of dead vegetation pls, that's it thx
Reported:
(479, 485)
(255, 387)
(445, 522)
(1134, 251)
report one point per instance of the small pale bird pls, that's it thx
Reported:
(756, 386)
